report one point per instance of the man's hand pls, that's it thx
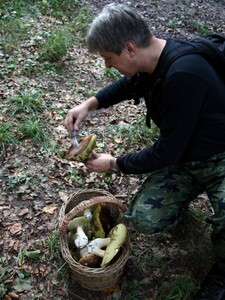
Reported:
(75, 116)
(79, 113)
(99, 162)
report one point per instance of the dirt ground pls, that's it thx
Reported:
(35, 183)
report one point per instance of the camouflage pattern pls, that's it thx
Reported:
(162, 200)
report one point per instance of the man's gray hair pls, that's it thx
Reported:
(115, 25)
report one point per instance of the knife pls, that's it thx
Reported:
(75, 139)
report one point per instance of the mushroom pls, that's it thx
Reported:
(81, 239)
(113, 242)
(98, 229)
(94, 247)
(118, 236)
(88, 214)
(78, 226)
(85, 148)
(90, 260)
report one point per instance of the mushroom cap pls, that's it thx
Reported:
(83, 151)
(77, 221)
(90, 260)
(118, 236)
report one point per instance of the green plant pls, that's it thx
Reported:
(31, 67)
(56, 45)
(6, 134)
(135, 134)
(113, 73)
(181, 288)
(22, 282)
(5, 274)
(12, 31)
(58, 8)
(32, 128)
(28, 102)
(31, 254)
(53, 244)
(14, 180)
(202, 27)
(81, 24)
(75, 177)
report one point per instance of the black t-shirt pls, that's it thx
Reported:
(189, 110)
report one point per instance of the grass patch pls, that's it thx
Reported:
(135, 134)
(27, 102)
(32, 128)
(70, 23)
(181, 288)
(6, 138)
(202, 27)
(6, 134)
(59, 9)
(56, 45)
(81, 24)
(13, 31)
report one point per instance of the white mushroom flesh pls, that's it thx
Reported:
(81, 239)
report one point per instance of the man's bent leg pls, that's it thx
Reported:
(212, 172)
(162, 200)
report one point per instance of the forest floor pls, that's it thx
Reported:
(36, 180)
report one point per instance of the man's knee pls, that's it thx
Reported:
(154, 220)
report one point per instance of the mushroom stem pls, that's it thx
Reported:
(88, 214)
(97, 251)
(81, 239)
(94, 245)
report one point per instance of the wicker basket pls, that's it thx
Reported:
(95, 279)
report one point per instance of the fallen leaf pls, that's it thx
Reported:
(23, 212)
(16, 228)
(50, 208)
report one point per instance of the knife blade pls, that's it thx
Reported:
(75, 136)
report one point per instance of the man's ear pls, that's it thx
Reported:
(131, 48)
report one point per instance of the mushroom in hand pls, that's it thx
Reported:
(82, 152)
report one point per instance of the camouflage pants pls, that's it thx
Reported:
(165, 195)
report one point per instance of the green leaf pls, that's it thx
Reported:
(21, 285)
(33, 254)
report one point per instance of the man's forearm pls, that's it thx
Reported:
(92, 103)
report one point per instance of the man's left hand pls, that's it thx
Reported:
(99, 162)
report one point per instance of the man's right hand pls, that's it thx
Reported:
(79, 113)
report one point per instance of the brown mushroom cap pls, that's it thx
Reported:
(90, 260)
(83, 151)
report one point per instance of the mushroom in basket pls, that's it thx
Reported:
(116, 238)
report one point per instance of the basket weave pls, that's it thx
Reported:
(95, 279)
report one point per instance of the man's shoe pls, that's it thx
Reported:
(213, 287)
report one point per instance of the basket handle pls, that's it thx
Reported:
(87, 204)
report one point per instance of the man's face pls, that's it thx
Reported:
(122, 62)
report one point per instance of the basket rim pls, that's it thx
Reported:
(85, 204)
